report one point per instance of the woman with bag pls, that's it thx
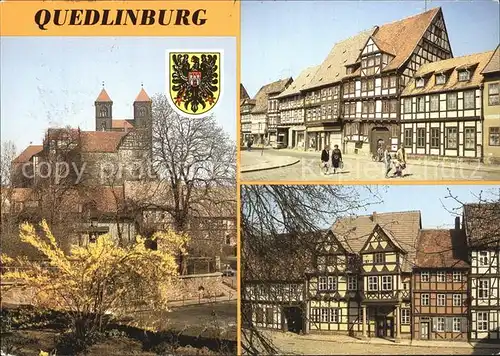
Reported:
(325, 157)
(336, 158)
(401, 157)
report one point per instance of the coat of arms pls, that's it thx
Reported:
(194, 81)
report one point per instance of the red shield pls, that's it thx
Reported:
(194, 78)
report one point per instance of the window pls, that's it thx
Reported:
(371, 107)
(435, 137)
(392, 82)
(469, 99)
(494, 136)
(463, 76)
(457, 276)
(440, 324)
(424, 276)
(332, 283)
(420, 83)
(352, 283)
(421, 104)
(259, 315)
(379, 257)
(371, 84)
(434, 103)
(451, 137)
(385, 82)
(405, 316)
(315, 315)
(393, 106)
(440, 79)
(269, 316)
(372, 283)
(386, 282)
(322, 283)
(493, 94)
(470, 138)
(457, 325)
(457, 300)
(441, 276)
(408, 137)
(420, 138)
(424, 299)
(483, 289)
(407, 105)
(482, 321)
(334, 315)
(483, 258)
(441, 300)
(451, 101)
(324, 315)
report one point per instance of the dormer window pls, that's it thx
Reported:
(440, 79)
(463, 76)
(420, 82)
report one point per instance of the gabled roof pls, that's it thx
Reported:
(243, 93)
(481, 224)
(493, 65)
(400, 38)
(345, 52)
(28, 153)
(300, 82)
(101, 141)
(473, 62)
(268, 89)
(103, 97)
(438, 248)
(402, 227)
(142, 97)
(120, 124)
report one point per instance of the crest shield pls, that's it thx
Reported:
(194, 81)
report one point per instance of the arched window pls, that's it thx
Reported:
(103, 112)
(103, 126)
(142, 112)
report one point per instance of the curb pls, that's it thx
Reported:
(269, 168)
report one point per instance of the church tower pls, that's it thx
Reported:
(143, 110)
(103, 111)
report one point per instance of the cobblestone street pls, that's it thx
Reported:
(289, 343)
(356, 168)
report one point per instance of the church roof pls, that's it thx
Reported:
(104, 97)
(29, 152)
(101, 141)
(143, 97)
(121, 124)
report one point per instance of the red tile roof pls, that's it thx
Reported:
(120, 124)
(29, 152)
(103, 97)
(439, 248)
(401, 37)
(101, 141)
(143, 97)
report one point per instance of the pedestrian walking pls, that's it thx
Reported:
(336, 158)
(325, 158)
(387, 161)
(401, 159)
(249, 144)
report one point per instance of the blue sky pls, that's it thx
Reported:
(54, 81)
(281, 38)
(430, 200)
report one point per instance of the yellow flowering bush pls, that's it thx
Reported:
(98, 279)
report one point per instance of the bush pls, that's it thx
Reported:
(28, 317)
(70, 343)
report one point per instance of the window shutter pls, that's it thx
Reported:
(448, 324)
(463, 325)
(434, 324)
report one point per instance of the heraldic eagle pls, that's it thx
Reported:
(195, 83)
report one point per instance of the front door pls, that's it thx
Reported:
(385, 327)
(424, 330)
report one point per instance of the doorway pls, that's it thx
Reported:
(379, 135)
(424, 330)
(385, 327)
(294, 319)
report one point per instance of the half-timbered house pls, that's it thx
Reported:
(291, 126)
(265, 113)
(441, 111)
(322, 95)
(483, 239)
(491, 109)
(388, 60)
(439, 285)
(246, 107)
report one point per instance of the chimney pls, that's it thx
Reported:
(374, 216)
(457, 223)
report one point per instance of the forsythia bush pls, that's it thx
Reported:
(100, 278)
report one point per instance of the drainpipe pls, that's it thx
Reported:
(481, 87)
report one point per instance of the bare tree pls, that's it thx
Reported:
(193, 158)
(277, 224)
(7, 156)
